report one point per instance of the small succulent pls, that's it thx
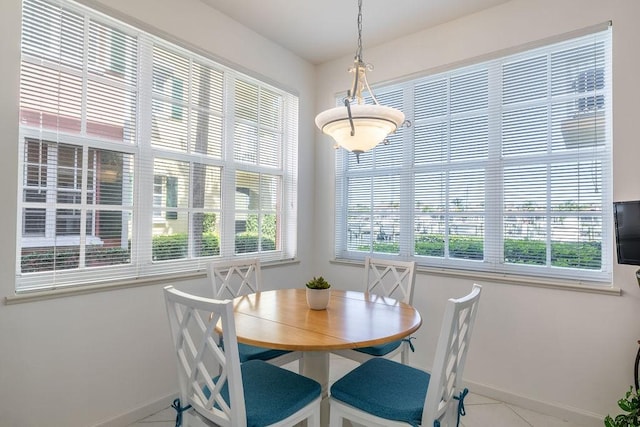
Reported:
(318, 283)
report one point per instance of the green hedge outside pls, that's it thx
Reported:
(248, 242)
(587, 255)
(163, 248)
(69, 257)
(175, 246)
(531, 252)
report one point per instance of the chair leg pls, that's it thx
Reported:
(404, 354)
(314, 419)
(335, 419)
(452, 414)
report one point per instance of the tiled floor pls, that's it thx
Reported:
(481, 411)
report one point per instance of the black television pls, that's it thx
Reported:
(627, 224)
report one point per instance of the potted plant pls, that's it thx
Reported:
(318, 293)
(630, 404)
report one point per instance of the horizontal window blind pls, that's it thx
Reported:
(141, 158)
(506, 168)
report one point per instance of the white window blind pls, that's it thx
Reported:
(141, 158)
(506, 168)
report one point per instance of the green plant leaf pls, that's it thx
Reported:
(318, 283)
(621, 420)
(625, 405)
(629, 404)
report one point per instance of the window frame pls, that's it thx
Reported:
(142, 207)
(494, 165)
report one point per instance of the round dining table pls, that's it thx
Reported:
(281, 319)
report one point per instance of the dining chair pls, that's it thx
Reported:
(231, 279)
(393, 279)
(215, 388)
(383, 392)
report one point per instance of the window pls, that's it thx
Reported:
(139, 158)
(506, 168)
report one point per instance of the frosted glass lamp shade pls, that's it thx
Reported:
(373, 123)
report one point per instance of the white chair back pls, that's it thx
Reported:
(393, 279)
(451, 354)
(388, 278)
(201, 362)
(231, 279)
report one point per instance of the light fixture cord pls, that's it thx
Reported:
(360, 68)
(359, 49)
(354, 93)
(359, 71)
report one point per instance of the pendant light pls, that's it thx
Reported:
(356, 126)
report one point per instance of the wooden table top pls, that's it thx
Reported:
(281, 319)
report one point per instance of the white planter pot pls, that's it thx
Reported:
(318, 299)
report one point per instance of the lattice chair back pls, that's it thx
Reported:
(445, 390)
(388, 278)
(393, 279)
(206, 370)
(231, 279)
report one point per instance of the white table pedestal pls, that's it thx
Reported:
(315, 365)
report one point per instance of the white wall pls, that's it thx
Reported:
(569, 353)
(85, 360)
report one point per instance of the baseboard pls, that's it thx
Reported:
(576, 416)
(124, 420)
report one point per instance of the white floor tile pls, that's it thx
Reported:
(537, 419)
(492, 415)
(168, 414)
(154, 424)
(481, 411)
(476, 399)
(339, 366)
(164, 418)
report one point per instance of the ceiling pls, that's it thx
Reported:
(322, 30)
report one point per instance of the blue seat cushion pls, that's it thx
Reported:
(271, 393)
(380, 350)
(385, 388)
(251, 352)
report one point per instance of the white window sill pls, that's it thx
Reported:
(567, 285)
(45, 294)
